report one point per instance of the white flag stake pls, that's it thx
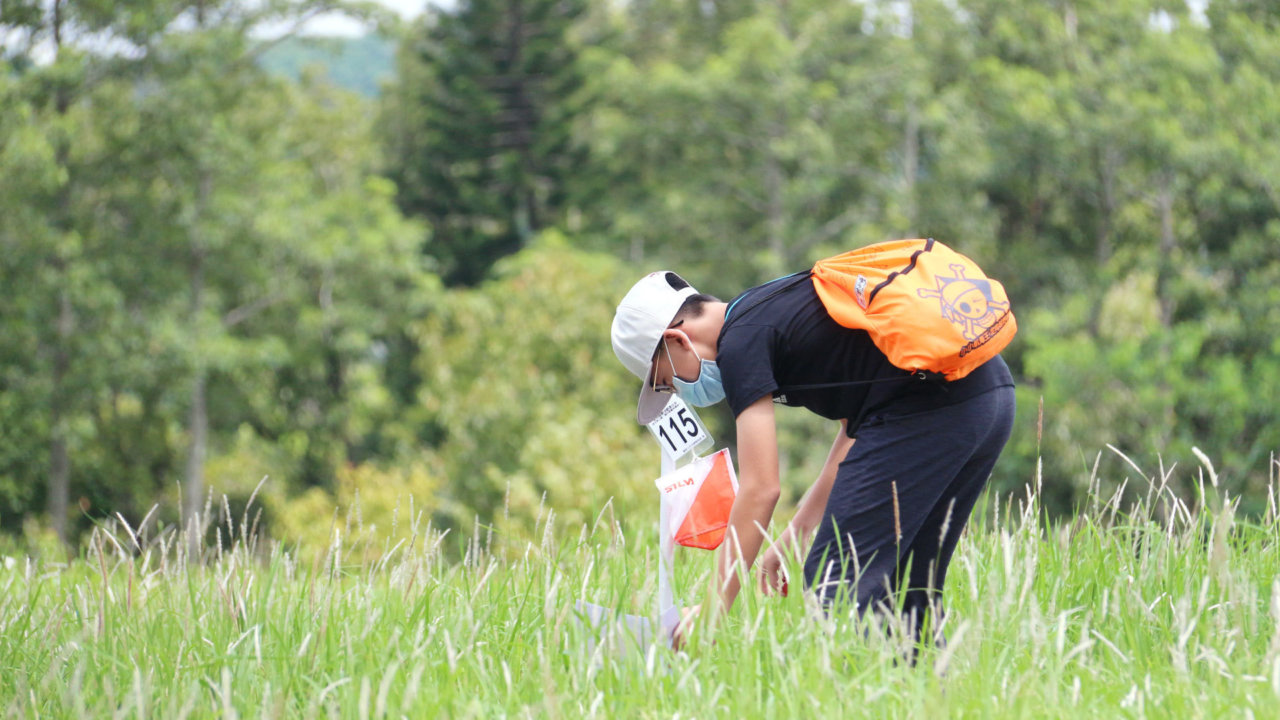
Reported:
(679, 432)
(668, 612)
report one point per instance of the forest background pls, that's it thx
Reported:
(389, 294)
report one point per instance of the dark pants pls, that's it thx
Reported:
(936, 463)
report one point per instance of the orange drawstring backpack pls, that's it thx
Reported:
(926, 307)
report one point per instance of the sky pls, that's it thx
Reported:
(337, 24)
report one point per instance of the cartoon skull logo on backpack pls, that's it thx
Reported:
(967, 303)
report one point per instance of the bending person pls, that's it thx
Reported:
(885, 514)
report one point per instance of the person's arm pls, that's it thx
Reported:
(808, 513)
(758, 491)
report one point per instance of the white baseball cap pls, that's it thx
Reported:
(644, 313)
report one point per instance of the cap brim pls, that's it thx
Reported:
(650, 404)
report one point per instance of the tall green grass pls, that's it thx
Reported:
(1145, 604)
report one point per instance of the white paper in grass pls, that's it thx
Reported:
(618, 632)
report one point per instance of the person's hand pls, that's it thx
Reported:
(688, 616)
(773, 576)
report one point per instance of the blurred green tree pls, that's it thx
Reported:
(64, 305)
(806, 129)
(1131, 141)
(479, 127)
(531, 410)
(188, 235)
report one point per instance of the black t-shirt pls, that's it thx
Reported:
(779, 335)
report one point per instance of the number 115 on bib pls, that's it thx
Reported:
(678, 429)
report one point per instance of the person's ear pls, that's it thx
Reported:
(680, 339)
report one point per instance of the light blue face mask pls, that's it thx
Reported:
(706, 390)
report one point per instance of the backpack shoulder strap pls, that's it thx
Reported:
(784, 283)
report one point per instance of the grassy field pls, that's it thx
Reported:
(1162, 607)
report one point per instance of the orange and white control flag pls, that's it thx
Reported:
(697, 499)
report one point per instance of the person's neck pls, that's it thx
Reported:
(704, 330)
(716, 310)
